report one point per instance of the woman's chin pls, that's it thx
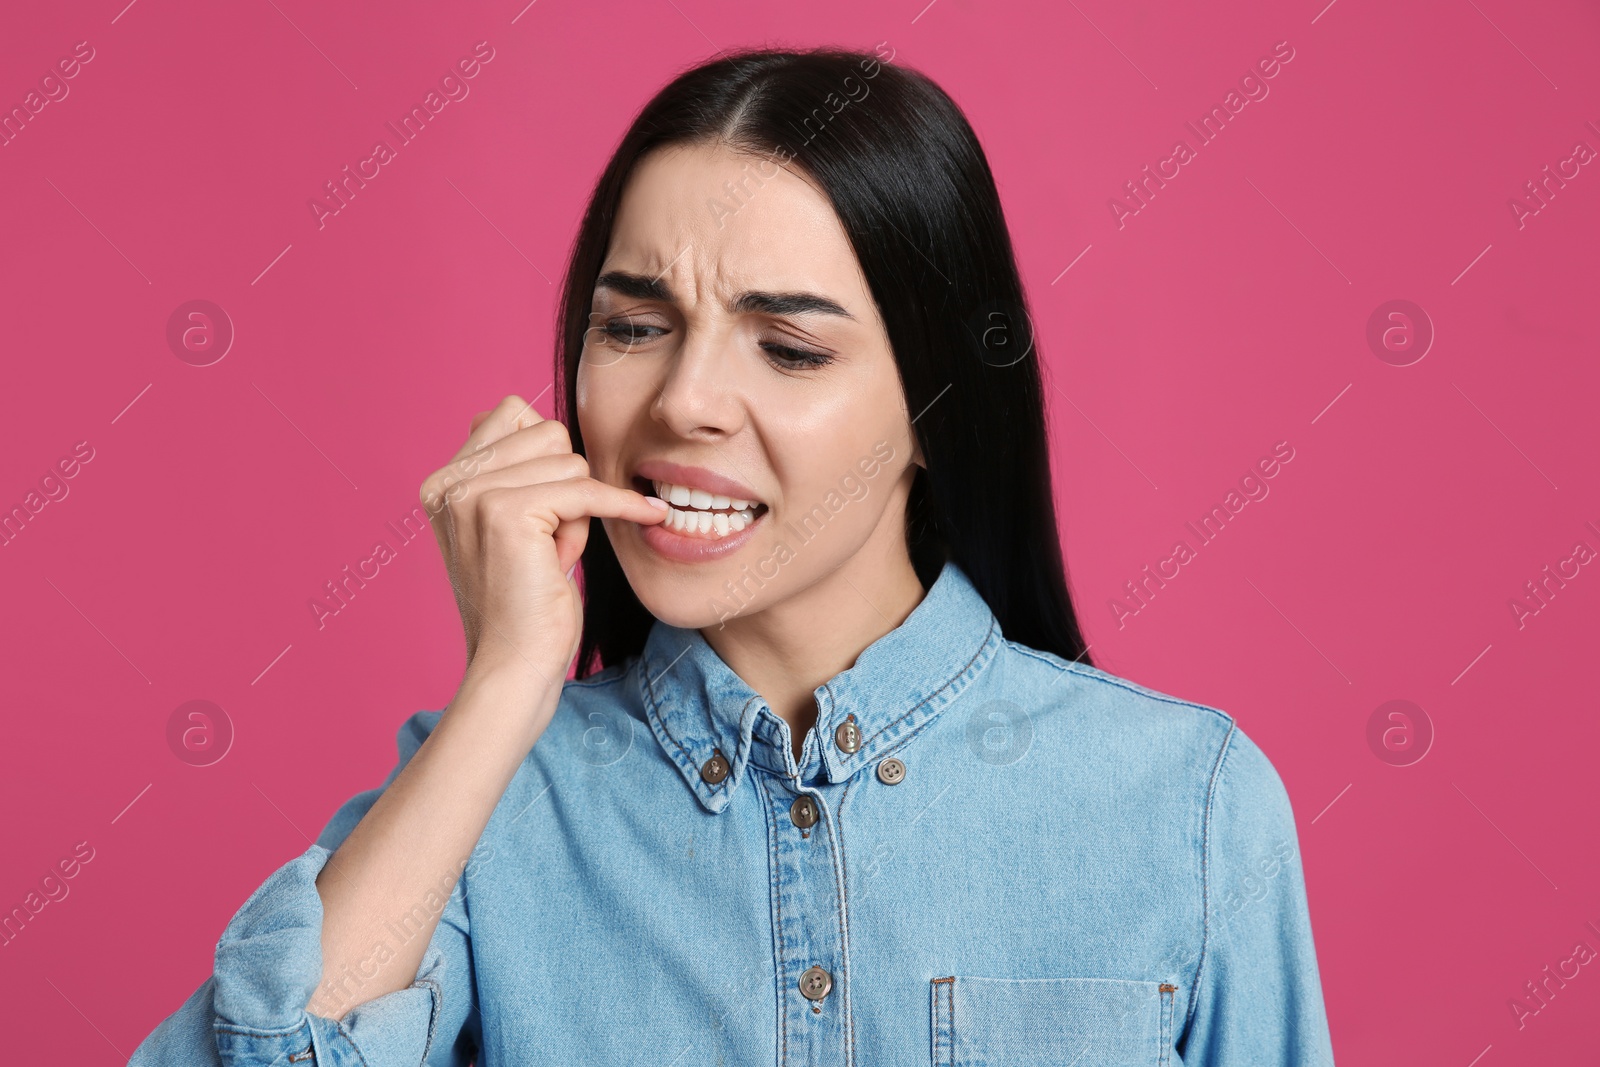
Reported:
(694, 604)
(692, 580)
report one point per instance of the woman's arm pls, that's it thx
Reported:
(511, 514)
(418, 837)
(251, 1011)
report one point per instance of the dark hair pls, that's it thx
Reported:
(913, 190)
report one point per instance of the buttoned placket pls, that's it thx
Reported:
(718, 732)
(810, 911)
(810, 905)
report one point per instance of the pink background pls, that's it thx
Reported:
(1229, 314)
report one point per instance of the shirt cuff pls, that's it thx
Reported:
(268, 966)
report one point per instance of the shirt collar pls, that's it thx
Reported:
(698, 707)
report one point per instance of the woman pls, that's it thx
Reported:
(835, 784)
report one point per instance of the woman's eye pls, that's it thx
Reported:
(631, 334)
(628, 333)
(793, 358)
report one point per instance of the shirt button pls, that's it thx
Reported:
(803, 812)
(847, 737)
(891, 771)
(815, 983)
(714, 769)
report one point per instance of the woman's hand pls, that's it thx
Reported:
(511, 514)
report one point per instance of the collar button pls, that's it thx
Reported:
(847, 736)
(715, 769)
(891, 771)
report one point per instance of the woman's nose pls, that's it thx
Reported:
(701, 395)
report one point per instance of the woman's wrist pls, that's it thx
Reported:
(512, 697)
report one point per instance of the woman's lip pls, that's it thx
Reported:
(685, 548)
(660, 470)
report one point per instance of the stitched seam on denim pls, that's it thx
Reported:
(982, 647)
(711, 725)
(844, 899)
(769, 805)
(1166, 1050)
(685, 761)
(344, 1033)
(1104, 679)
(765, 730)
(761, 730)
(741, 743)
(436, 1007)
(1205, 875)
(1166, 1027)
(950, 1014)
(836, 855)
(899, 743)
(250, 1031)
(813, 739)
(833, 707)
(655, 708)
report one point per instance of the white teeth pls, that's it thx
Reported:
(700, 499)
(698, 512)
(718, 524)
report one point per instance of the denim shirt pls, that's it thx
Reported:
(984, 855)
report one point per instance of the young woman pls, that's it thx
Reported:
(836, 783)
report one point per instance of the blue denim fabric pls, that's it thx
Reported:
(1072, 870)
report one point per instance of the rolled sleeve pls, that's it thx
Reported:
(1258, 999)
(251, 1012)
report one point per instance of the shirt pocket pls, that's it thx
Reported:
(1051, 1022)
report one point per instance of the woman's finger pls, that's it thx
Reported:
(547, 437)
(575, 499)
(560, 510)
(507, 417)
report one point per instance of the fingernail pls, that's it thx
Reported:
(657, 502)
(571, 570)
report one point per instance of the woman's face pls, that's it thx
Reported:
(736, 366)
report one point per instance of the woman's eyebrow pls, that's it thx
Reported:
(787, 304)
(642, 288)
(635, 285)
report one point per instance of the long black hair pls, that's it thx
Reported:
(912, 188)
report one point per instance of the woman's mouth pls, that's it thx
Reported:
(693, 512)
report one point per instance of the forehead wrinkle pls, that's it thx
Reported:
(693, 257)
(698, 270)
